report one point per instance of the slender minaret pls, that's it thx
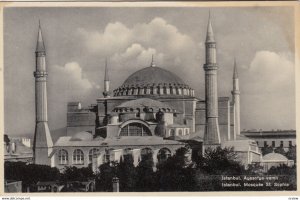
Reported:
(236, 101)
(43, 144)
(212, 133)
(106, 81)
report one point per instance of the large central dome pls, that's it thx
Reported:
(152, 75)
(153, 81)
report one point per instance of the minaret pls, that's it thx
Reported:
(212, 133)
(43, 144)
(106, 81)
(236, 101)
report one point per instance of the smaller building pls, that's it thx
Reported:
(17, 149)
(49, 186)
(246, 149)
(275, 160)
(273, 138)
(12, 186)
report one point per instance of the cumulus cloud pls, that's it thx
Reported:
(269, 87)
(67, 83)
(131, 48)
(270, 72)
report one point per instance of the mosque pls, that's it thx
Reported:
(154, 112)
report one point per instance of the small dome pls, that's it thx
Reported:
(154, 79)
(144, 103)
(82, 136)
(274, 157)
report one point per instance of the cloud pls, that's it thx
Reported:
(67, 83)
(130, 48)
(270, 72)
(268, 92)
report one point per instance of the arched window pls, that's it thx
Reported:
(186, 131)
(92, 152)
(135, 129)
(165, 90)
(78, 157)
(172, 132)
(151, 90)
(158, 90)
(63, 157)
(180, 132)
(146, 154)
(171, 90)
(163, 154)
(107, 155)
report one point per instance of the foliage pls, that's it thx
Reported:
(77, 174)
(282, 170)
(218, 161)
(291, 153)
(175, 175)
(280, 150)
(104, 178)
(145, 176)
(126, 174)
(30, 174)
(266, 149)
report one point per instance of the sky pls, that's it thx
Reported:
(78, 40)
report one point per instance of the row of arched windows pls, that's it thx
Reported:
(77, 157)
(154, 90)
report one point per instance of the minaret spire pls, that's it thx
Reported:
(106, 81)
(236, 101)
(43, 144)
(40, 47)
(212, 132)
(235, 73)
(106, 77)
(152, 61)
(209, 33)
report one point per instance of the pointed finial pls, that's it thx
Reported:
(210, 33)
(106, 77)
(152, 62)
(40, 47)
(235, 73)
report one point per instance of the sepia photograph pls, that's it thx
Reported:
(108, 99)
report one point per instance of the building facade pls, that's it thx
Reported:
(153, 113)
(273, 138)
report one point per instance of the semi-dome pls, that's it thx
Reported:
(82, 136)
(153, 81)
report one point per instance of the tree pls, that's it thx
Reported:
(145, 176)
(30, 174)
(291, 153)
(177, 173)
(104, 178)
(77, 174)
(280, 150)
(126, 173)
(266, 149)
(218, 161)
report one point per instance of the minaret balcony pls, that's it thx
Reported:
(38, 74)
(210, 66)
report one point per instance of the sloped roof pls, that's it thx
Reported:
(143, 103)
(117, 141)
